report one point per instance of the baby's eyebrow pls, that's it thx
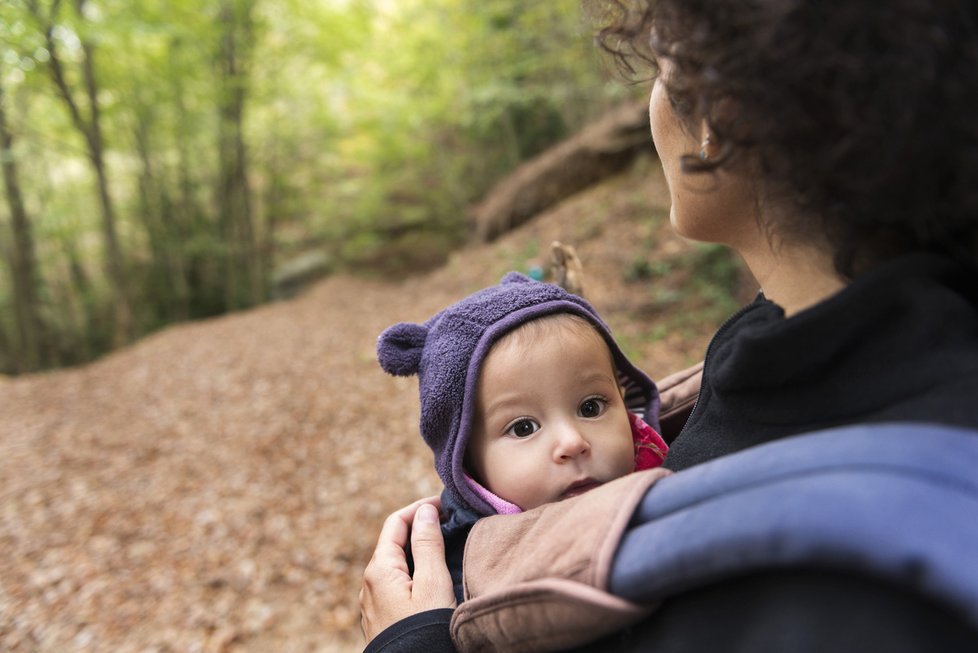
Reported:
(599, 376)
(509, 403)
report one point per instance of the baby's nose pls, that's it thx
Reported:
(570, 444)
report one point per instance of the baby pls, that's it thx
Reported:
(525, 400)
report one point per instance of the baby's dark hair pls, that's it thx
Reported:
(859, 113)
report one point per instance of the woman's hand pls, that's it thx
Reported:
(389, 594)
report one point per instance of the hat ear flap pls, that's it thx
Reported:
(399, 348)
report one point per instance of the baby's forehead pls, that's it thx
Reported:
(568, 330)
(555, 325)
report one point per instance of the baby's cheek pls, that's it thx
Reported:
(625, 458)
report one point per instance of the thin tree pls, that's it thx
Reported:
(90, 128)
(21, 255)
(243, 281)
(158, 214)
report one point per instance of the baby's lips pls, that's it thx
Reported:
(579, 487)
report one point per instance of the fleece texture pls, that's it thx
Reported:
(447, 352)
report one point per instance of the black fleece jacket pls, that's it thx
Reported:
(899, 344)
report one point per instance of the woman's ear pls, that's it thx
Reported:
(718, 127)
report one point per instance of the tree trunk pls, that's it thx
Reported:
(244, 281)
(89, 338)
(115, 269)
(22, 257)
(91, 130)
(114, 264)
(274, 206)
(157, 214)
(204, 272)
(600, 150)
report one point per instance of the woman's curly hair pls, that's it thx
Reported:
(863, 113)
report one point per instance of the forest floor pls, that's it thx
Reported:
(218, 486)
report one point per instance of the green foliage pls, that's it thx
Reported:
(368, 127)
(707, 287)
(520, 259)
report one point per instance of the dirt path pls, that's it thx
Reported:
(219, 486)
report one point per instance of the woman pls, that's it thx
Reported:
(833, 145)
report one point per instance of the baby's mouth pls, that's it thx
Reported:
(579, 487)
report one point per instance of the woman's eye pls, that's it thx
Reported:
(591, 407)
(523, 428)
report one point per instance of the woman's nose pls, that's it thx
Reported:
(570, 443)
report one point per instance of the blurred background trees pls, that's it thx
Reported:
(166, 160)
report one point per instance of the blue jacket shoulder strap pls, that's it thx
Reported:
(898, 501)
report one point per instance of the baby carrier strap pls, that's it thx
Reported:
(895, 501)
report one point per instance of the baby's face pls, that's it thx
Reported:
(550, 420)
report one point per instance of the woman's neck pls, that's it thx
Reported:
(793, 277)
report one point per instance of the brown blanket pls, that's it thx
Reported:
(537, 581)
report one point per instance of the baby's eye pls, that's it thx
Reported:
(592, 407)
(523, 428)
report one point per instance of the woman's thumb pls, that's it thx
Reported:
(432, 580)
(426, 537)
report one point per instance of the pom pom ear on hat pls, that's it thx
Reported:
(399, 348)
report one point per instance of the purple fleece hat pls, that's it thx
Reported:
(447, 352)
